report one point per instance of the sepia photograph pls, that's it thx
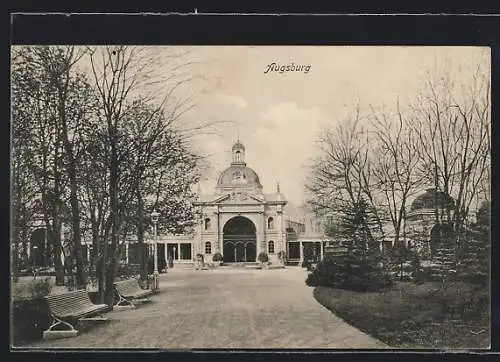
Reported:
(250, 197)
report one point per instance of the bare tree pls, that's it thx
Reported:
(23, 192)
(164, 184)
(397, 163)
(453, 130)
(35, 108)
(93, 188)
(75, 105)
(113, 79)
(121, 76)
(342, 176)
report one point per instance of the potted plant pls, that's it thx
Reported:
(263, 258)
(217, 258)
(200, 263)
(282, 257)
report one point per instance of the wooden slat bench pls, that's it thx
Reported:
(68, 309)
(129, 292)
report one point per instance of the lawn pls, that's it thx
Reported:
(409, 315)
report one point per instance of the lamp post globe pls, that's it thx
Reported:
(156, 282)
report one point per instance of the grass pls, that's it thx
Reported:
(408, 315)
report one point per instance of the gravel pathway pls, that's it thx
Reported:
(231, 309)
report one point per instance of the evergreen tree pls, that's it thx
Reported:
(474, 253)
(360, 268)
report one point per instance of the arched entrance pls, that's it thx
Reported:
(239, 240)
(441, 238)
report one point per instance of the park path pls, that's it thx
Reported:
(232, 308)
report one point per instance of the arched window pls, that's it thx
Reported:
(271, 247)
(207, 223)
(238, 156)
(208, 248)
(270, 223)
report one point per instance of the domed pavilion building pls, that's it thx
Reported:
(240, 220)
(427, 229)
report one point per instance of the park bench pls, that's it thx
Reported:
(70, 308)
(129, 291)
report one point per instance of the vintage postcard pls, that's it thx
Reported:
(250, 197)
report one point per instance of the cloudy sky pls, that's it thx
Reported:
(279, 115)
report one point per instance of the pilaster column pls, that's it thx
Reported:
(282, 231)
(199, 241)
(126, 251)
(262, 235)
(218, 244)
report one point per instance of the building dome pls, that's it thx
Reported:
(238, 146)
(432, 198)
(238, 175)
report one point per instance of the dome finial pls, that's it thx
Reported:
(238, 152)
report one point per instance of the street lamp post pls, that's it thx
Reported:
(35, 250)
(156, 281)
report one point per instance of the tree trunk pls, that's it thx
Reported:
(57, 247)
(110, 280)
(140, 239)
(101, 274)
(75, 210)
(115, 221)
(95, 246)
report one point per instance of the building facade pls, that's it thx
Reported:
(238, 219)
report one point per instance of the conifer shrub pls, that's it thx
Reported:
(281, 255)
(474, 250)
(217, 257)
(263, 257)
(349, 272)
(360, 268)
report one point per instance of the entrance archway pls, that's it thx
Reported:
(239, 240)
(441, 238)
